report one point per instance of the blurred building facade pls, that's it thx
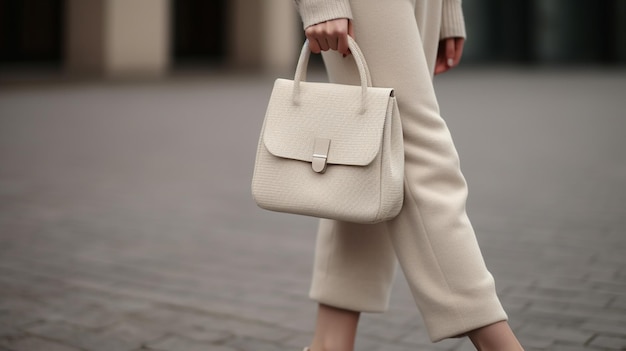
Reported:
(152, 37)
(147, 37)
(546, 31)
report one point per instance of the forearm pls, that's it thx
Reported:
(452, 21)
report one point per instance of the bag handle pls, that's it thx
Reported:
(303, 62)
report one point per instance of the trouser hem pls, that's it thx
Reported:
(445, 326)
(345, 293)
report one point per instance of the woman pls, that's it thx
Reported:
(404, 42)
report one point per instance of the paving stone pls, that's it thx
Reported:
(9, 331)
(137, 332)
(207, 327)
(558, 347)
(150, 325)
(114, 302)
(609, 315)
(419, 338)
(172, 318)
(565, 335)
(297, 341)
(250, 344)
(36, 344)
(19, 317)
(515, 302)
(535, 342)
(384, 330)
(404, 347)
(553, 317)
(548, 306)
(604, 327)
(28, 284)
(465, 345)
(619, 303)
(609, 342)
(609, 286)
(253, 330)
(177, 343)
(80, 337)
(575, 313)
(88, 315)
(203, 334)
(301, 319)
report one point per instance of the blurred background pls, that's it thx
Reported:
(128, 132)
(153, 37)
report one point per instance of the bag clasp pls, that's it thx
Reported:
(320, 155)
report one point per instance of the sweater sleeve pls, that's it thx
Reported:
(318, 11)
(452, 22)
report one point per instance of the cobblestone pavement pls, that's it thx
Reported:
(126, 222)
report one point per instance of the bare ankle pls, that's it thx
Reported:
(335, 329)
(495, 337)
(329, 346)
(323, 348)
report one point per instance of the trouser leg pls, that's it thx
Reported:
(354, 266)
(432, 236)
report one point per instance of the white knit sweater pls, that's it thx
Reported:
(317, 11)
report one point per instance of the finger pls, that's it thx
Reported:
(450, 52)
(441, 66)
(309, 32)
(317, 37)
(338, 33)
(324, 38)
(342, 30)
(342, 44)
(333, 42)
(351, 29)
(458, 51)
(351, 34)
(314, 46)
(323, 42)
(440, 63)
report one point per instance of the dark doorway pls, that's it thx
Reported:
(31, 31)
(199, 31)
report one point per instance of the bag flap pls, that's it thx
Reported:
(329, 111)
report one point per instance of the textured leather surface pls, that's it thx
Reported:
(363, 181)
(329, 111)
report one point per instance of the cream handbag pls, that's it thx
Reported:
(331, 150)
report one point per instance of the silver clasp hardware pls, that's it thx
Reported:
(320, 155)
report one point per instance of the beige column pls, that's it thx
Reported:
(118, 37)
(244, 33)
(263, 33)
(281, 35)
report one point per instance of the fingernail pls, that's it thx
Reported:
(450, 62)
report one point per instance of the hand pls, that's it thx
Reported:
(449, 54)
(330, 35)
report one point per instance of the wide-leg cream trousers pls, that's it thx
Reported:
(432, 237)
